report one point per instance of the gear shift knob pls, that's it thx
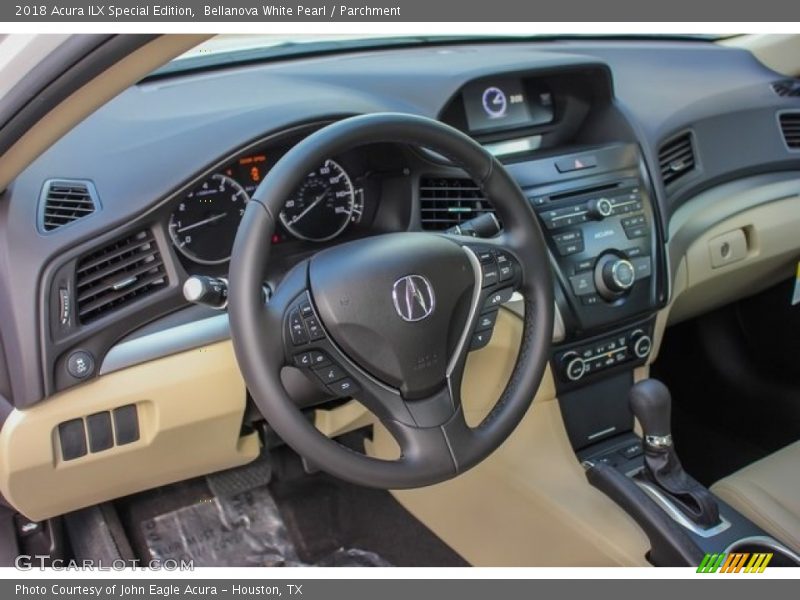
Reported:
(651, 403)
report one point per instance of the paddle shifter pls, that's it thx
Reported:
(651, 404)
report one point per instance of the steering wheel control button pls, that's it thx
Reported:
(491, 275)
(486, 321)
(314, 329)
(314, 358)
(498, 298)
(480, 339)
(303, 360)
(343, 387)
(330, 373)
(299, 335)
(80, 364)
(72, 435)
(485, 256)
(306, 310)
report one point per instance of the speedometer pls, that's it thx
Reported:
(204, 224)
(322, 206)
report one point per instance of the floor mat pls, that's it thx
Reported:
(320, 520)
(245, 529)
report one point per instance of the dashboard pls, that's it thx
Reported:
(606, 157)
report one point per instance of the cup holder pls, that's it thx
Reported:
(781, 555)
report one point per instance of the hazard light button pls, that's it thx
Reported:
(576, 163)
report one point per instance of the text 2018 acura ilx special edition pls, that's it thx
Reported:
(399, 301)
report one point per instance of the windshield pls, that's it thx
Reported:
(224, 50)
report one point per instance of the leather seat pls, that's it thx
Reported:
(768, 493)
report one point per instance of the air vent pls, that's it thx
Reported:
(449, 201)
(790, 128)
(118, 274)
(676, 158)
(787, 87)
(65, 201)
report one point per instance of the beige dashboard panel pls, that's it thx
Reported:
(771, 248)
(529, 504)
(190, 408)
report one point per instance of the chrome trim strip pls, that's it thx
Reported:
(658, 441)
(597, 434)
(473, 310)
(505, 148)
(164, 343)
(676, 515)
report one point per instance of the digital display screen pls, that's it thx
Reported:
(504, 104)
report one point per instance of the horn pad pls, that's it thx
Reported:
(396, 305)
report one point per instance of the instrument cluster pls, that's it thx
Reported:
(327, 204)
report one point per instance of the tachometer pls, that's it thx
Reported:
(204, 224)
(322, 206)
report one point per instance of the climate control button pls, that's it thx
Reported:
(641, 344)
(574, 366)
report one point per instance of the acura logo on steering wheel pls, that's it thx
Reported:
(413, 297)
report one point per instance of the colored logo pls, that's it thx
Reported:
(735, 562)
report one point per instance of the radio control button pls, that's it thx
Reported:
(582, 284)
(568, 236)
(636, 232)
(642, 267)
(570, 248)
(590, 300)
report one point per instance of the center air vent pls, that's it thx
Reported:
(64, 201)
(449, 201)
(790, 128)
(787, 87)
(676, 158)
(117, 274)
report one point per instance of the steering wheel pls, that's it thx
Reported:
(389, 319)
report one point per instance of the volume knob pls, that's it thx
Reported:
(600, 208)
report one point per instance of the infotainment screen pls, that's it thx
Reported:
(504, 104)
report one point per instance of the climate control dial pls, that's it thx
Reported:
(574, 366)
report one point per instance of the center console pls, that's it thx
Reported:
(606, 243)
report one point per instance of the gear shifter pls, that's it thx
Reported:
(651, 403)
